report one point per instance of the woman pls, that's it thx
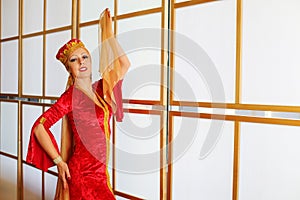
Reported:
(88, 107)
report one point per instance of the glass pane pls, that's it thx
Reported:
(193, 175)
(140, 22)
(144, 54)
(92, 9)
(56, 74)
(33, 66)
(205, 52)
(271, 47)
(8, 174)
(33, 18)
(9, 128)
(89, 36)
(30, 115)
(32, 182)
(9, 67)
(9, 18)
(269, 162)
(189, 82)
(126, 6)
(138, 155)
(58, 13)
(50, 183)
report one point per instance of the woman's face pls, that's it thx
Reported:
(79, 63)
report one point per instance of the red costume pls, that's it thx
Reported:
(89, 122)
(90, 127)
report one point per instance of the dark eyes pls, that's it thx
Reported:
(75, 59)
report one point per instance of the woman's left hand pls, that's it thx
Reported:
(63, 173)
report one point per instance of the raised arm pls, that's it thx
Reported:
(112, 58)
(120, 55)
(114, 64)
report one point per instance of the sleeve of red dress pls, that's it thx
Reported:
(36, 154)
(119, 101)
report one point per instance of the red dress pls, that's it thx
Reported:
(91, 132)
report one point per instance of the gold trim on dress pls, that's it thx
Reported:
(107, 135)
(42, 120)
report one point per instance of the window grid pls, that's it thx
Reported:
(21, 99)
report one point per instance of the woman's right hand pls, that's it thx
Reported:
(63, 173)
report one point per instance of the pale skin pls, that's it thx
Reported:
(80, 67)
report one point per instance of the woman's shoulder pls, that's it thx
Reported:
(98, 86)
(67, 93)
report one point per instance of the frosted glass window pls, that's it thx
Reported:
(89, 36)
(9, 128)
(50, 183)
(30, 115)
(137, 151)
(91, 10)
(144, 52)
(189, 82)
(271, 48)
(9, 67)
(32, 183)
(195, 178)
(269, 162)
(59, 13)
(56, 73)
(208, 46)
(126, 6)
(8, 174)
(9, 18)
(33, 66)
(140, 22)
(33, 16)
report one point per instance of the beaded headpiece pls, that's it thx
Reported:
(64, 52)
